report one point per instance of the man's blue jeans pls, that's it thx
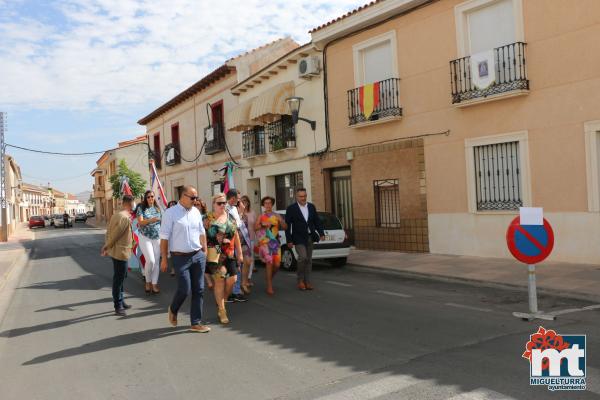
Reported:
(119, 274)
(190, 278)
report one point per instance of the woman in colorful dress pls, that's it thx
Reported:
(148, 217)
(267, 228)
(223, 244)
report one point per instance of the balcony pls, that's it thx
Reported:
(98, 191)
(281, 134)
(253, 142)
(510, 76)
(172, 154)
(217, 144)
(386, 103)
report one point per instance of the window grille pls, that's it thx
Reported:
(387, 203)
(498, 177)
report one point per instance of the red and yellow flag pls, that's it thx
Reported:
(368, 98)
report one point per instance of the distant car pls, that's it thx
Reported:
(335, 248)
(36, 221)
(54, 217)
(80, 217)
(60, 222)
(90, 214)
(47, 220)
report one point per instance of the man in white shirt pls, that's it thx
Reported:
(182, 234)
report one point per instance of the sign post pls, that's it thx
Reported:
(530, 240)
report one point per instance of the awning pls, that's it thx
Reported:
(269, 105)
(238, 119)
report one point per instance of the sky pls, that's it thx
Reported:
(77, 75)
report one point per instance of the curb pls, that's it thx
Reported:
(473, 282)
(13, 277)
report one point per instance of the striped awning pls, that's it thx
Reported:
(270, 105)
(238, 119)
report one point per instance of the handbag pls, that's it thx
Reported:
(212, 255)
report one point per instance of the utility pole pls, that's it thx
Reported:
(3, 202)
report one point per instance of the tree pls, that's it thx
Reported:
(136, 182)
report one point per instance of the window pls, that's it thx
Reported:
(375, 59)
(253, 142)
(498, 172)
(216, 188)
(157, 151)
(285, 189)
(179, 191)
(498, 176)
(387, 203)
(281, 133)
(487, 24)
(217, 143)
(175, 142)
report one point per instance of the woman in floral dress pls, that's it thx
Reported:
(267, 229)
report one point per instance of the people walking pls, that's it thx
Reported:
(117, 245)
(148, 216)
(224, 252)
(247, 246)
(233, 199)
(268, 226)
(201, 206)
(65, 220)
(249, 219)
(304, 228)
(182, 234)
(170, 261)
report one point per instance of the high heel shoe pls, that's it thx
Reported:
(246, 288)
(155, 289)
(148, 288)
(222, 313)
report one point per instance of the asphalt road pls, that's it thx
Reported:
(358, 336)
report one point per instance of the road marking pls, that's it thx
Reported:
(374, 389)
(406, 296)
(467, 307)
(339, 283)
(481, 394)
(573, 310)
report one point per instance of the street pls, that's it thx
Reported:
(359, 335)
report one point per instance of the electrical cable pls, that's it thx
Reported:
(89, 153)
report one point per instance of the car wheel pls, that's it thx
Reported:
(288, 261)
(339, 262)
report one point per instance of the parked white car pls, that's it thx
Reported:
(59, 222)
(335, 248)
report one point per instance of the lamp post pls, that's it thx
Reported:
(294, 104)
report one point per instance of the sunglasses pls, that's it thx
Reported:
(149, 197)
(193, 198)
(221, 203)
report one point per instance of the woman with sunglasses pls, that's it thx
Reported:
(268, 226)
(148, 216)
(223, 244)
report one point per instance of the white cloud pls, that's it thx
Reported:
(115, 53)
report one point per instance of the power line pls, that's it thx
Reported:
(55, 180)
(56, 153)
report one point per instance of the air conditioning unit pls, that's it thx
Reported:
(309, 67)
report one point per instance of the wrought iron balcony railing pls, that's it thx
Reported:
(217, 144)
(281, 134)
(253, 142)
(386, 102)
(510, 71)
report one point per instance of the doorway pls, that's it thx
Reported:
(341, 191)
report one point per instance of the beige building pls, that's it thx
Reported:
(35, 200)
(135, 154)
(11, 215)
(275, 151)
(480, 107)
(188, 135)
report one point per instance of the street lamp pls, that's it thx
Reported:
(294, 104)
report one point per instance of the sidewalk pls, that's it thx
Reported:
(92, 222)
(13, 250)
(563, 279)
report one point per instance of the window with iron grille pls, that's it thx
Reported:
(498, 176)
(281, 133)
(253, 142)
(387, 203)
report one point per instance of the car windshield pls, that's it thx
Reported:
(37, 218)
(330, 221)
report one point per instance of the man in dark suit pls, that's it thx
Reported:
(304, 229)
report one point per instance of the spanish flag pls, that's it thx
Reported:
(368, 98)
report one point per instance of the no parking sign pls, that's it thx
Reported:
(530, 244)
